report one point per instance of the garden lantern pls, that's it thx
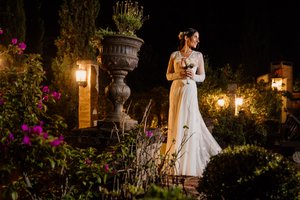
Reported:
(81, 77)
(238, 102)
(277, 83)
(221, 102)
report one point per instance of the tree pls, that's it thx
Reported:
(12, 20)
(77, 26)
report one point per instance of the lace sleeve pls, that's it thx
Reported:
(200, 74)
(171, 74)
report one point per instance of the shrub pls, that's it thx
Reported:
(30, 138)
(249, 172)
(156, 192)
(230, 130)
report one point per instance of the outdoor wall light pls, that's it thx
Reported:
(277, 83)
(81, 76)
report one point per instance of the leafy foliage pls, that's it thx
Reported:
(29, 135)
(249, 172)
(158, 113)
(14, 23)
(174, 193)
(77, 27)
(261, 107)
(128, 17)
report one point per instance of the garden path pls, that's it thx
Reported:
(189, 184)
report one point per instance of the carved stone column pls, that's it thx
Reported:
(119, 55)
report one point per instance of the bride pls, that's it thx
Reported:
(188, 135)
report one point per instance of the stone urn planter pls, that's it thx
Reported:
(119, 55)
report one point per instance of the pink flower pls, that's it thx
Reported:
(46, 98)
(22, 46)
(87, 161)
(46, 89)
(1, 31)
(106, 168)
(26, 140)
(149, 134)
(40, 105)
(11, 137)
(25, 128)
(37, 129)
(45, 135)
(56, 95)
(57, 142)
(14, 41)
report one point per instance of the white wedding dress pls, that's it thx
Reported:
(194, 144)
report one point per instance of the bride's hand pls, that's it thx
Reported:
(183, 73)
(189, 73)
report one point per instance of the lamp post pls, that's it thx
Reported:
(87, 81)
(238, 102)
(221, 102)
(281, 84)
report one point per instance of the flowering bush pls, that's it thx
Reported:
(29, 135)
(36, 162)
(135, 163)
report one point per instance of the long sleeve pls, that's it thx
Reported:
(199, 77)
(171, 74)
(200, 74)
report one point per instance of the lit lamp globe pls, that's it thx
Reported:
(238, 101)
(277, 83)
(81, 75)
(221, 102)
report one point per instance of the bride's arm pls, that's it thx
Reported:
(200, 73)
(171, 74)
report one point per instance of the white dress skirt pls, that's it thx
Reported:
(188, 135)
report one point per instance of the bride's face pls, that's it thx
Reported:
(193, 40)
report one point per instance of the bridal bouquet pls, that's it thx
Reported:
(187, 65)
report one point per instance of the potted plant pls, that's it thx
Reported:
(128, 17)
(119, 55)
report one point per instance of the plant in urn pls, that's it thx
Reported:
(119, 55)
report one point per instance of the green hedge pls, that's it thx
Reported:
(249, 172)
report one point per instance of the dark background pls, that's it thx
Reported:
(248, 33)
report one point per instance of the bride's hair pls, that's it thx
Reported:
(189, 32)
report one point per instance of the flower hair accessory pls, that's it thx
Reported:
(181, 35)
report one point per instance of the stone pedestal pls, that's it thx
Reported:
(119, 55)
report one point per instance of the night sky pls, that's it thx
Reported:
(248, 33)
